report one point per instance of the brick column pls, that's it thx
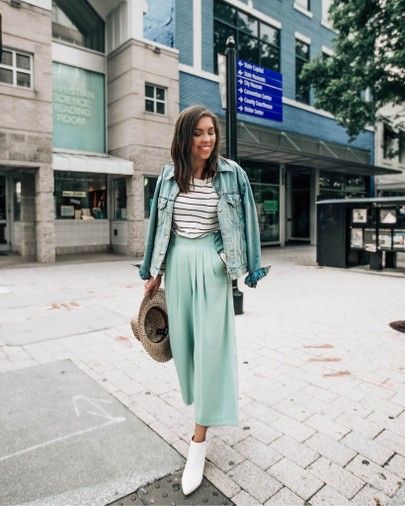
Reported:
(135, 214)
(44, 215)
(27, 224)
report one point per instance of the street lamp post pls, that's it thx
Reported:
(231, 145)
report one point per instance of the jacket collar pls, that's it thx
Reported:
(224, 165)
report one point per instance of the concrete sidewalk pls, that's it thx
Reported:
(322, 375)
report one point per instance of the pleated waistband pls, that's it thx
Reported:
(213, 238)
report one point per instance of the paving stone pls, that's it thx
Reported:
(392, 441)
(259, 453)
(222, 455)
(299, 480)
(327, 426)
(242, 498)
(293, 428)
(338, 478)
(396, 465)
(330, 448)
(293, 410)
(367, 447)
(362, 425)
(260, 412)
(394, 424)
(329, 497)
(229, 435)
(380, 477)
(261, 431)
(370, 496)
(294, 450)
(320, 393)
(164, 432)
(284, 497)
(224, 483)
(254, 480)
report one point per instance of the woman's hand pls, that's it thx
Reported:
(152, 285)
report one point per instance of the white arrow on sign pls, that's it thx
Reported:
(95, 403)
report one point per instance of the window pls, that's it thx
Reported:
(265, 182)
(340, 186)
(80, 195)
(256, 41)
(301, 58)
(303, 4)
(16, 68)
(401, 153)
(388, 142)
(17, 199)
(76, 22)
(119, 203)
(149, 183)
(155, 99)
(325, 11)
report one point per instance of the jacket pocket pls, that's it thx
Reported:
(233, 199)
(162, 202)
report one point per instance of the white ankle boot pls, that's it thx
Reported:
(193, 471)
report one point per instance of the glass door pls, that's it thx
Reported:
(300, 206)
(3, 214)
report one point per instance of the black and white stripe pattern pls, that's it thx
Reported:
(195, 212)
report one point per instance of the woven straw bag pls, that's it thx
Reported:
(150, 326)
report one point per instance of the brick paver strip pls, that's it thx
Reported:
(255, 481)
(381, 478)
(299, 480)
(343, 481)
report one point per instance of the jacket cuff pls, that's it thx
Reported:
(144, 273)
(252, 279)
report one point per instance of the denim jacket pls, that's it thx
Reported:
(239, 236)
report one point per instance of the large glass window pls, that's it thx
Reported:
(80, 195)
(388, 142)
(17, 199)
(78, 109)
(339, 186)
(149, 184)
(119, 203)
(265, 183)
(301, 58)
(16, 68)
(256, 41)
(76, 22)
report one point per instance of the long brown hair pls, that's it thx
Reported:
(181, 145)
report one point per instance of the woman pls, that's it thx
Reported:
(203, 233)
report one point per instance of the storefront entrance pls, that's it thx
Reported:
(298, 206)
(4, 225)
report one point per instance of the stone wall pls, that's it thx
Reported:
(135, 134)
(26, 126)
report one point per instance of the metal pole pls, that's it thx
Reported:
(231, 136)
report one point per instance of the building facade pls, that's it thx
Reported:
(390, 153)
(89, 94)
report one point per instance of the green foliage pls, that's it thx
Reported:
(369, 55)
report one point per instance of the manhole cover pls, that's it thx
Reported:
(398, 325)
(167, 490)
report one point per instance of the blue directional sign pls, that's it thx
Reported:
(259, 91)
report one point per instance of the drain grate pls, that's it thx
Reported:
(398, 325)
(167, 491)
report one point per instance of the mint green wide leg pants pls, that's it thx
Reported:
(202, 329)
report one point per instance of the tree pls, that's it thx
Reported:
(367, 70)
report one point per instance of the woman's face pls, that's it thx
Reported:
(203, 140)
